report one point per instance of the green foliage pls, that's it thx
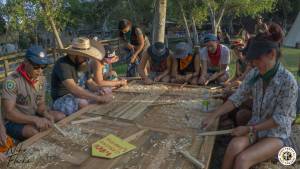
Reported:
(26, 15)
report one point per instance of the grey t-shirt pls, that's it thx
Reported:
(224, 60)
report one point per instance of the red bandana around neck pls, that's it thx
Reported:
(215, 57)
(25, 75)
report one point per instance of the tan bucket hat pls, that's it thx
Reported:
(82, 47)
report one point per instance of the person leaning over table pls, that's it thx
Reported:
(137, 44)
(23, 97)
(160, 61)
(72, 86)
(274, 92)
(186, 65)
(242, 67)
(102, 71)
(215, 59)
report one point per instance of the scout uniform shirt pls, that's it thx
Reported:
(17, 89)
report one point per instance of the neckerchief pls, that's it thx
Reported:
(215, 57)
(267, 76)
(185, 62)
(25, 75)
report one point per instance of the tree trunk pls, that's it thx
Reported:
(187, 30)
(52, 23)
(160, 21)
(196, 38)
(56, 34)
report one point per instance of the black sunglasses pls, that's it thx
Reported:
(37, 66)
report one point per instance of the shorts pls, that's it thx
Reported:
(15, 130)
(68, 104)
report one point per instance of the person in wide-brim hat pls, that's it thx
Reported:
(85, 48)
(159, 58)
(104, 75)
(72, 86)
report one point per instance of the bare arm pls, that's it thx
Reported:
(197, 66)
(98, 77)
(142, 65)
(204, 69)
(14, 115)
(169, 68)
(266, 125)
(220, 73)
(78, 91)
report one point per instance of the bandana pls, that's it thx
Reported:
(25, 75)
(215, 57)
(267, 76)
(185, 62)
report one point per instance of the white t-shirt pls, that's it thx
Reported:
(224, 60)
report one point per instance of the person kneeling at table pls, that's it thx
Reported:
(23, 97)
(186, 67)
(104, 76)
(242, 66)
(274, 92)
(160, 60)
(72, 86)
(215, 59)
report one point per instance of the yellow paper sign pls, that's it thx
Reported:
(110, 147)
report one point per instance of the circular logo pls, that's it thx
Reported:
(287, 156)
(10, 85)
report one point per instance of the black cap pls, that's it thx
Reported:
(257, 48)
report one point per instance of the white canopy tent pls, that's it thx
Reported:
(293, 35)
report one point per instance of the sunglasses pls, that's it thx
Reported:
(36, 66)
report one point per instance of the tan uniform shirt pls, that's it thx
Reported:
(17, 89)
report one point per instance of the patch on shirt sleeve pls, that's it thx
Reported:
(10, 85)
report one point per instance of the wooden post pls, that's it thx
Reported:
(6, 67)
(160, 21)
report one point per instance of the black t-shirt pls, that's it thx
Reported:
(63, 69)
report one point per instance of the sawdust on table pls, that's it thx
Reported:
(39, 155)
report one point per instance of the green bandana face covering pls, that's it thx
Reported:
(267, 76)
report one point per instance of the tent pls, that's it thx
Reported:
(294, 34)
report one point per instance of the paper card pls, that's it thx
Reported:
(110, 147)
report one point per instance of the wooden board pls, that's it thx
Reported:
(155, 130)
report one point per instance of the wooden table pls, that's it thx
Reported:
(155, 130)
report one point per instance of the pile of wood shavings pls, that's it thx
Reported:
(136, 87)
(40, 153)
(74, 134)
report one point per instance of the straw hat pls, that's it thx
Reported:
(84, 47)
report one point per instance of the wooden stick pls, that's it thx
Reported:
(59, 129)
(214, 133)
(136, 135)
(161, 104)
(86, 120)
(192, 159)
